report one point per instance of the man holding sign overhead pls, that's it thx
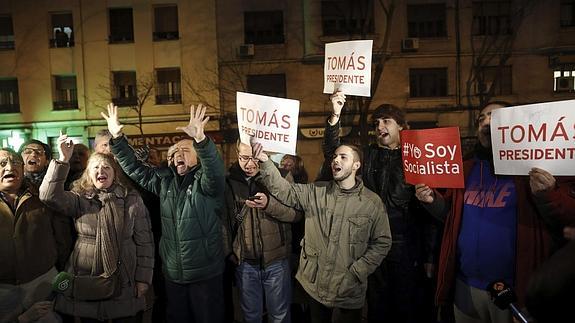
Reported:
(493, 231)
(396, 287)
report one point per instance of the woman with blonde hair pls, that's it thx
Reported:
(113, 258)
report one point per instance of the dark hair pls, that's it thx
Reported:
(488, 103)
(298, 171)
(46, 147)
(385, 111)
(356, 150)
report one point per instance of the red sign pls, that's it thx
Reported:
(432, 157)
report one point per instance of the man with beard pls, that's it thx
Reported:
(261, 244)
(36, 155)
(191, 195)
(346, 233)
(493, 230)
(397, 287)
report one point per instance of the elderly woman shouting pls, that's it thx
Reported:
(113, 258)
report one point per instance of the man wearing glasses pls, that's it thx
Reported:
(261, 245)
(36, 156)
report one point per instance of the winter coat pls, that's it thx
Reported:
(414, 231)
(33, 239)
(191, 246)
(258, 236)
(136, 246)
(346, 236)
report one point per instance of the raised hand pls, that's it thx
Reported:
(337, 101)
(195, 127)
(65, 148)
(541, 180)
(114, 125)
(258, 151)
(424, 193)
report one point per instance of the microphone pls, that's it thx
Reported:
(504, 298)
(62, 282)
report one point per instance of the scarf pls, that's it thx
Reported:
(108, 234)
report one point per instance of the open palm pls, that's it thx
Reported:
(198, 121)
(114, 125)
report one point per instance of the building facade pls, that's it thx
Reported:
(62, 61)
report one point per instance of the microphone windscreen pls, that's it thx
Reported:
(62, 282)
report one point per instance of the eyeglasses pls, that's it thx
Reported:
(14, 162)
(29, 151)
(245, 159)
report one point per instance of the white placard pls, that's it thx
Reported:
(535, 135)
(271, 121)
(347, 67)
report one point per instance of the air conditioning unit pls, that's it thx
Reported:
(246, 50)
(565, 84)
(409, 44)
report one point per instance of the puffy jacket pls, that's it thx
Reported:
(191, 246)
(258, 235)
(33, 239)
(136, 247)
(346, 236)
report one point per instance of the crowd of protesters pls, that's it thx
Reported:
(100, 236)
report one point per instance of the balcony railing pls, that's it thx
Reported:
(9, 108)
(166, 35)
(125, 101)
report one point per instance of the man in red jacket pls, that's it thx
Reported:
(493, 230)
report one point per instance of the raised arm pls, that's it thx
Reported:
(274, 208)
(146, 176)
(331, 134)
(52, 188)
(555, 198)
(213, 175)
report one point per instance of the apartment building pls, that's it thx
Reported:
(62, 61)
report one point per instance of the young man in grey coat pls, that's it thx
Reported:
(346, 233)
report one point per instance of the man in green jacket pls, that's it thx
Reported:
(191, 194)
(346, 233)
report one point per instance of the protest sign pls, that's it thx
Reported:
(271, 121)
(432, 157)
(534, 135)
(347, 67)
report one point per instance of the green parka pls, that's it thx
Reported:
(191, 246)
(346, 236)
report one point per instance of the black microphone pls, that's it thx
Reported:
(504, 298)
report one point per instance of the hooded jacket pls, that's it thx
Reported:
(346, 236)
(533, 243)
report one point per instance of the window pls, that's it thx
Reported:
(426, 20)
(567, 13)
(121, 25)
(61, 33)
(498, 78)
(9, 101)
(491, 18)
(6, 32)
(65, 93)
(166, 23)
(124, 89)
(264, 27)
(564, 79)
(267, 84)
(347, 17)
(169, 86)
(427, 82)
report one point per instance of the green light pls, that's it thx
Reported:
(15, 141)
